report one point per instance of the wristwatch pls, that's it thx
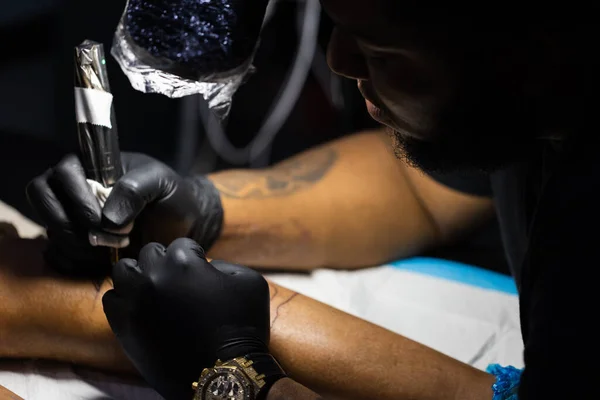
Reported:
(243, 378)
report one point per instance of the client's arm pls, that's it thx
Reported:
(46, 316)
(349, 203)
(348, 358)
(333, 353)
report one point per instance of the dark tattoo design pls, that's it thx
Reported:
(282, 302)
(288, 177)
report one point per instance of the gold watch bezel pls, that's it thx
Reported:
(241, 368)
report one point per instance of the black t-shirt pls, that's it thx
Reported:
(548, 216)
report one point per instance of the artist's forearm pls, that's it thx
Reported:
(344, 357)
(346, 204)
(286, 389)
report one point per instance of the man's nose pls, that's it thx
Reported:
(345, 58)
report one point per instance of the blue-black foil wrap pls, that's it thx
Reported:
(183, 47)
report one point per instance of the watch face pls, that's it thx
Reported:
(225, 386)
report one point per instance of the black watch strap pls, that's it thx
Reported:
(265, 364)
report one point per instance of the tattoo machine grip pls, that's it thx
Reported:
(96, 123)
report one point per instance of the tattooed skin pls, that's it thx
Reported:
(278, 302)
(283, 179)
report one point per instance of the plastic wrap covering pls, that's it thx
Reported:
(183, 47)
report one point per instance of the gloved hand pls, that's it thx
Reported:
(164, 206)
(175, 314)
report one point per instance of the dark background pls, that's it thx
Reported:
(37, 126)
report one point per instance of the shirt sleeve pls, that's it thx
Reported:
(476, 184)
(559, 296)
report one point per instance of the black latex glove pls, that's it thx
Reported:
(164, 206)
(175, 314)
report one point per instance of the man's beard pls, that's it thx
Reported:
(474, 133)
(460, 154)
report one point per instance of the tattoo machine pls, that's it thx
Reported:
(96, 123)
(183, 47)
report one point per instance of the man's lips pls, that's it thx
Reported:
(372, 105)
(375, 112)
(365, 93)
